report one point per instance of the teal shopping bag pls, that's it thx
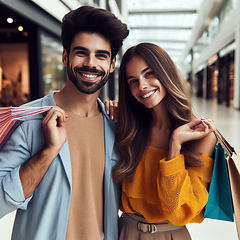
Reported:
(219, 205)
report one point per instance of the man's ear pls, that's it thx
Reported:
(112, 67)
(65, 57)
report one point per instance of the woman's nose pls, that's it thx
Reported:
(143, 84)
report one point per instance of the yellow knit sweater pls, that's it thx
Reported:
(167, 190)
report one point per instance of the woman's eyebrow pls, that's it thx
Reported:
(144, 70)
(129, 77)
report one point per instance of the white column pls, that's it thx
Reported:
(236, 100)
(102, 4)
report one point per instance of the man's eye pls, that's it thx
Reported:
(81, 53)
(102, 56)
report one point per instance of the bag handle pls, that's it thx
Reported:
(224, 143)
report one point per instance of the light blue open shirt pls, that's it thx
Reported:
(44, 215)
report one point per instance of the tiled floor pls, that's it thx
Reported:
(227, 120)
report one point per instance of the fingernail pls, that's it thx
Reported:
(107, 112)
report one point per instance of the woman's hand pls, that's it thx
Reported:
(111, 107)
(194, 130)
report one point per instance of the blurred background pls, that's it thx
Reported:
(201, 36)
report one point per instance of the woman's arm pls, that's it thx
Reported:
(183, 191)
(199, 129)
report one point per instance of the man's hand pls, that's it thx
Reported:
(54, 128)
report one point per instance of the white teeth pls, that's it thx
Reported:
(148, 94)
(91, 76)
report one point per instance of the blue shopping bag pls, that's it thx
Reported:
(219, 205)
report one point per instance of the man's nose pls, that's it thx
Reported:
(90, 61)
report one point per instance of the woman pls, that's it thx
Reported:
(166, 163)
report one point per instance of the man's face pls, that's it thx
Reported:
(89, 62)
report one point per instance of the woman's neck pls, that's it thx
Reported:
(160, 131)
(160, 117)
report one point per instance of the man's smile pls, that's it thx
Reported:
(89, 76)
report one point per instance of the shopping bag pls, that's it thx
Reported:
(234, 175)
(219, 205)
(233, 163)
(12, 117)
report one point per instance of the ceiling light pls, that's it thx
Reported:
(20, 28)
(10, 20)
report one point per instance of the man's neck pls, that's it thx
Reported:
(78, 103)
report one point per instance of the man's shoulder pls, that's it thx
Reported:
(47, 100)
(41, 102)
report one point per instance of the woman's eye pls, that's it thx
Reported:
(148, 74)
(132, 81)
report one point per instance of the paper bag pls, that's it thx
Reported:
(219, 205)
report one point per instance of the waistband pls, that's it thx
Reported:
(148, 227)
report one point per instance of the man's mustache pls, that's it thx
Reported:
(87, 69)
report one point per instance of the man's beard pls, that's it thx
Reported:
(85, 86)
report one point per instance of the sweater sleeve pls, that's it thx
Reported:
(183, 191)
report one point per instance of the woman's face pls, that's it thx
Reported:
(143, 84)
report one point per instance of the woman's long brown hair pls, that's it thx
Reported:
(134, 119)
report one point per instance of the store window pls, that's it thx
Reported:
(14, 74)
(52, 67)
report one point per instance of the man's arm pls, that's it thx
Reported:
(32, 172)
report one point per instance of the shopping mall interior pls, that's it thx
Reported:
(201, 36)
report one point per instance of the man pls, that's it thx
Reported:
(58, 171)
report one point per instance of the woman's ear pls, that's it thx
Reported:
(112, 67)
(65, 57)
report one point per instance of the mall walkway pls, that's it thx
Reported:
(227, 120)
